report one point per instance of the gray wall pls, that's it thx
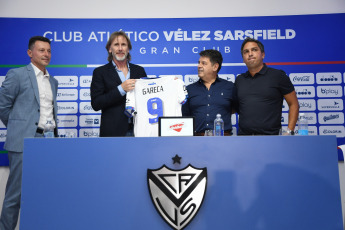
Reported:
(165, 9)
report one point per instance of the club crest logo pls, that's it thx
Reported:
(177, 194)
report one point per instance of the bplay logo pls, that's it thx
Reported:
(302, 78)
(85, 95)
(339, 131)
(305, 91)
(67, 121)
(190, 79)
(85, 107)
(331, 118)
(328, 78)
(307, 105)
(67, 107)
(67, 81)
(89, 133)
(85, 81)
(67, 94)
(89, 120)
(330, 104)
(329, 91)
(228, 77)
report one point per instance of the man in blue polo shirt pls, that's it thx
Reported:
(210, 95)
(260, 93)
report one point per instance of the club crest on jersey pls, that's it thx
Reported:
(177, 194)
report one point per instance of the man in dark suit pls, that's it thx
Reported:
(111, 82)
(27, 101)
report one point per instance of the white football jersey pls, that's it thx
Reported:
(153, 98)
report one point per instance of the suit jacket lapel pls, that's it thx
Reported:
(113, 72)
(52, 85)
(33, 80)
(129, 69)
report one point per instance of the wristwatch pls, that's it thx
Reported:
(290, 132)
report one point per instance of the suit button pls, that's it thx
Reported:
(36, 123)
(38, 110)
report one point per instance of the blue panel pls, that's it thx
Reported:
(82, 41)
(3, 159)
(303, 44)
(3, 155)
(253, 182)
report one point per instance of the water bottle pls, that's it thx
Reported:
(218, 126)
(49, 129)
(302, 125)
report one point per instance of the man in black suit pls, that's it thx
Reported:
(111, 82)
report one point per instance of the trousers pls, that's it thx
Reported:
(11, 205)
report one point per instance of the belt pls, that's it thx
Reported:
(39, 130)
(226, 133)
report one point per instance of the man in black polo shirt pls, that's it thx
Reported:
(260, 93)
(210, 95)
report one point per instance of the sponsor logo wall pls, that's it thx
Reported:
(303, 46)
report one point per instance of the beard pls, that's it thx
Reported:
(120, 58)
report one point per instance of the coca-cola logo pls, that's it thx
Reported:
(301, 78)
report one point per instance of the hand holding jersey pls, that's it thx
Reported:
(153, 98)
(128, 85)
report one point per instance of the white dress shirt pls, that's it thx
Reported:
(46, 97)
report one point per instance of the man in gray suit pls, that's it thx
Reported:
(27, 101)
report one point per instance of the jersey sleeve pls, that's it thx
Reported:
(182, 93)
(130, 103)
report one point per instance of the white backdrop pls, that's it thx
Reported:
(165, 9)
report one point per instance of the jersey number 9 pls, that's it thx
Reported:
(155, 107)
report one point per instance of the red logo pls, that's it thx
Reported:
(177, 127)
